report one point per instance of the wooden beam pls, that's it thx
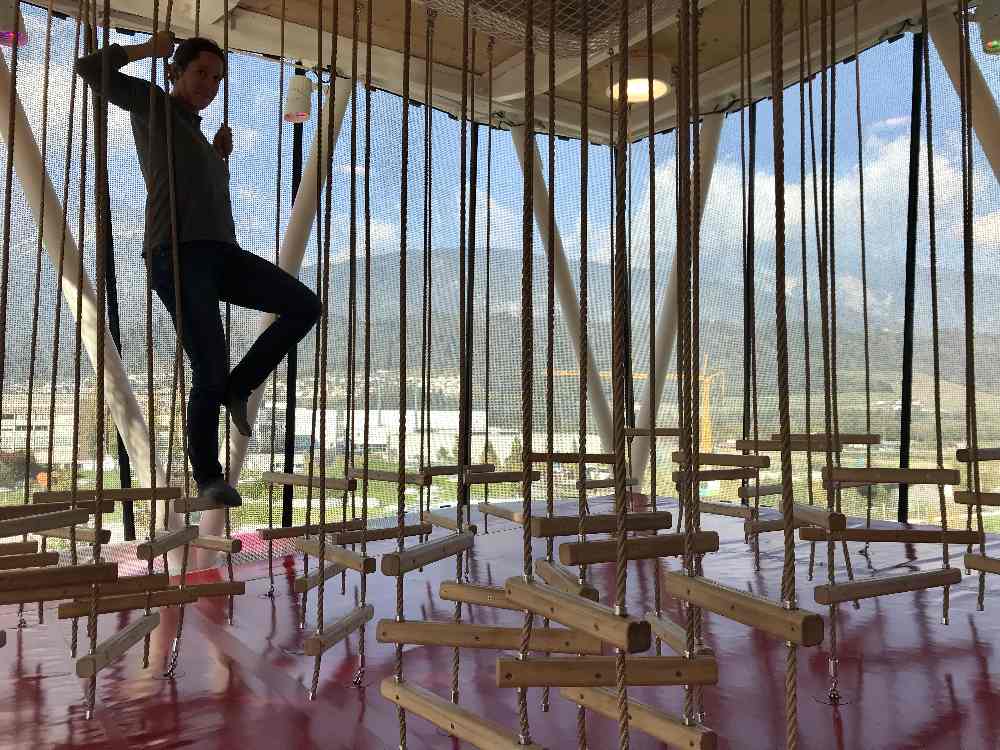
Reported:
(604, 484)
(338, 555)
(217, 588)
(883, 475)
(913, 536)
(116, 646)
(797, 446)
(795, 625)
(31, 560)
(455, 470)
(451, 718)
(985, 498)
(599, 671)
(390, 532)
(463, 635)
(397, 563)
(304, 480)
(657, 432)
(196, 505)
(127, 602)
(508, 514)
(668, 631)
(819, 516)
(84, 534)
(716, 475)
(627, 633)
(19, 548)
(765, 490)
(8, 512)
(845, 438)
(164, 542)
(565, 580)
(113, 495)
(473, 593)
(231, 545)
(58, 576)
(302, 584)
(656, 723)
(982, 454)
(733, 510)
(125, 585)
(725, 459)
(380, 475)
(571, 458)
(639, 548)
(771, 524)
(290, 532)
(337, 630)
(982, 562)
(499, 477)
(445, 522)
(605, 523)
(867, 589)
(43, 522)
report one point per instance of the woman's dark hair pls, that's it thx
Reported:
(188, 50)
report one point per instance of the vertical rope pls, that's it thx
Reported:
(489, 257)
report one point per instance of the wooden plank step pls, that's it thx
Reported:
(818, 445)
(657, 431)
(886, 475)
(866, 589)
(627, 633)
(31, 560)
(500, 477)
(752, 491)
(455, 470)
(725, 459)
(117, 645)
(441, 520)
(604, 484)
(669, 632)
(397, 563)
(19, 548)
(571, 458)
(217, 588)
(124, 585)
(599, 671)
(500, 511)
(819, 516)
(913, 536)
(127, 585)
(459, 722)
(474, 593)
(796, 625)
(390, 532)
(982, 562)
(127, 602)
(605, 523)
(733, 510)
(337, 630)
(846, 438)
(716, 475)
(658, 724)
(8, 512)
(13, 580)
(640, 548)
(84, 534)
(985, 498)
(42, 521)
(290, 532)
(196, 505)
(963, 455)
(111, 495)
(768, 525)
(302, 584)
(338, 555)
(304, 480)
(565, 580)
(463, 635)
(230, 545)
(165, 541)
(380, 475)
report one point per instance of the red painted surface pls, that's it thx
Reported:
(911, 681)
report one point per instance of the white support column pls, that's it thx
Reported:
(565, 289)
(985, 117)
(666, 323)
(290, 254)
(121, 400)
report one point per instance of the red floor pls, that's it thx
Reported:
(911, 682)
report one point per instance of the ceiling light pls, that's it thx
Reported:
(298, 102)
(637, 88)
(12, 29)
(988, 18)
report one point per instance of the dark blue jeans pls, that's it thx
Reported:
(210, 273)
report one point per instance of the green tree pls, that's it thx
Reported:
(516, 455)
(490, 453)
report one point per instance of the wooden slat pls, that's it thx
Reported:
(797, 445)
(338, 555)
(508, 514)
(668, 631)
(126, 602)
(390, 532)
(112, 495)
(913, 536)
(302, 584)
(733, 510)
(499, 477)
(565, 580)
(290, 532)
(982, 562)
(571, 458)
(125, 585)
(303, 480)
(657, 432)
(473, 593)
(769, 525)
(725, 459)
(752, 491)
(606, 523)
(819, 516)
(866, 589)
(166, 541)
(982, 454)
(116, 646)
(337, 630)
(626, 633)
(385, 475)
(451, 718)
(196, 505)
(397, 563)
(455, 470)
(846, 438)
(445, 521)
(599, 671)
(463, 635)
(715, 475)
(18, 548)
(8, 512)
(84, 534)
(33, 560)
(985, 498)
(217, 588)
(604, 484)
(639, 548)
(232, 545)
(129, 585)
(57, 576)
(887, 475)
(797, 625)
(656, 723)
(43, 522)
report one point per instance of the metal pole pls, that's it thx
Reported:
(565, 289)
(911, 272)
(666, 323)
